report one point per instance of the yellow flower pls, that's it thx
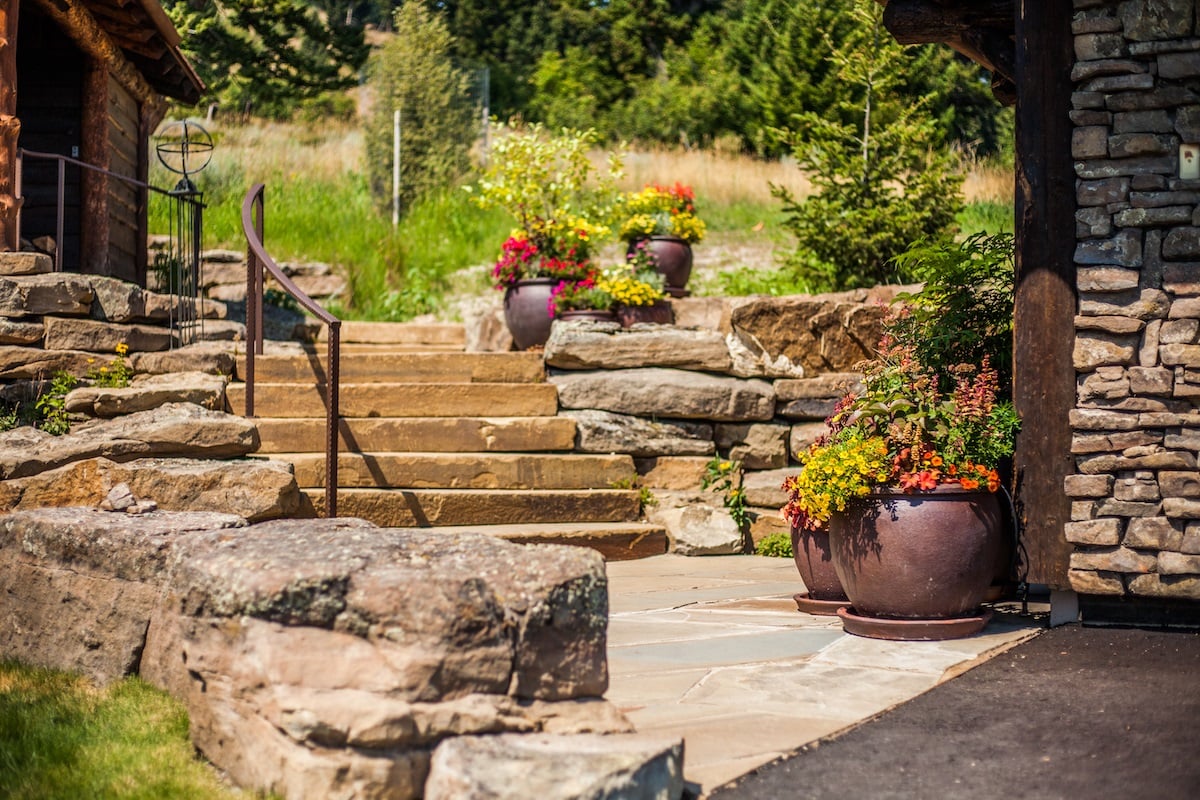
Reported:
(122, 349)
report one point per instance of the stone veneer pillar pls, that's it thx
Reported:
(1136, 425)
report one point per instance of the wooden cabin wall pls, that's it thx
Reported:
(50, 75)
(125, 202)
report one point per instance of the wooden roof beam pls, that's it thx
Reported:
(85, 31)
(982, 30)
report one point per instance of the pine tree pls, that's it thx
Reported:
(264, 56)
(883, 181)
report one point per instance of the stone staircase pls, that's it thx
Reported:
(434, 437)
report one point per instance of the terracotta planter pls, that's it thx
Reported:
(658, 314)
(673, 257)
(814, 562)
(526, 311)
(926, 556)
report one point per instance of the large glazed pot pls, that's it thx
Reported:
(673, 258)
(814, 561)
(527, 311)
(929, 555)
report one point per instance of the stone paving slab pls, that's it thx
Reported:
(713, 650)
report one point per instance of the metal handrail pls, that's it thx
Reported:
(257, 259)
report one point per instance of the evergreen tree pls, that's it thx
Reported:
(415, 74)
(264, 56)
(883, 181)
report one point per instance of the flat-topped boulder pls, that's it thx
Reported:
(252, 488)
(150, 391)
(25, 263)
(53, 293)
(176, 429)
(66, 333)
(316, 658)
(211, 357)
(591, 345)
(23, 333)
(672, 393)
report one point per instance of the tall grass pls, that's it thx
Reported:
(61, 738)
(319, 209)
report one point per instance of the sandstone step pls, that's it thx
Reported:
(420, 434)
(404, 508)
(410, 470)
(403, 333)
(389, 367)
(400, 399)
(616, 541)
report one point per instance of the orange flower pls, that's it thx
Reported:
(969, 483)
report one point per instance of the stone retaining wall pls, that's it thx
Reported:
(752, 382)
(1136, 495)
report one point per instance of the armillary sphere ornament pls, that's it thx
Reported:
(184, 147)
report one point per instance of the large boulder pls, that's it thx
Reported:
(589, 345)
(210, 357)
(255, 489)
(176, 429)
(818, 333)
(316, 658)
(671, 393)
(80, 585)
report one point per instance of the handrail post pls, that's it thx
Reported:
(331, 418)
(258, 262)
(18, 190)
(59, 244)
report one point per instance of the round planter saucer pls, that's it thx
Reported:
(818, 608)
(912, 630)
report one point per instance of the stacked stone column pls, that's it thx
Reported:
(1136, 426)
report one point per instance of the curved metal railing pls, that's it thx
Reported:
(257, 259)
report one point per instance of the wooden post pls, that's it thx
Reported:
(93, 190)
(1044, 380)
(10, 126)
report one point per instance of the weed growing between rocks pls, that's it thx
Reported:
(725, 476)
(116, 374)
(51, 404)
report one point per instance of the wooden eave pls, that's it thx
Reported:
(148, 40)
(982, 30)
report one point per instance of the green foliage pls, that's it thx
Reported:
(61, 738)
(776, 545)
(265, 56)
(539, 177)
(964, 310)
(413, 73)
(986, 217)
(10, 417)
(51, 404)
(880, 185)
(725, 476)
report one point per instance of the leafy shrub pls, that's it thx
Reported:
(776, 545)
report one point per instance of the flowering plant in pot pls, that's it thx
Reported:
(560, 200)
(904, 481)
(665, 220)
(587, 298)
(638, 289)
